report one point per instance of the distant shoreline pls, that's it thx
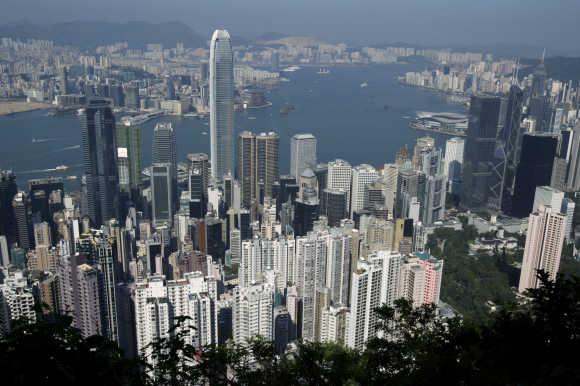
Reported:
(13, 107)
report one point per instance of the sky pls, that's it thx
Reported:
(455, 23)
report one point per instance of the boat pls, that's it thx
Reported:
(291, 69)
(190, 115)
(323, 71)
(287, 109)
(61, 168)
(71, 178)
(204, 132)
(364, 85)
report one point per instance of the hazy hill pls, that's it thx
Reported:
(89, 34)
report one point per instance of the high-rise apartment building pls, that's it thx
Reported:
(221, 104)
(545, 237)
(421, 279)
(252, 312)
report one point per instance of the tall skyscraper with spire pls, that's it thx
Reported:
(221, 104)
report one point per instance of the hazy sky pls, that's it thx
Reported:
(551, 23)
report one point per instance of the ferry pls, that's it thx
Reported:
(291, 69)
(61, 168)
(323, 71)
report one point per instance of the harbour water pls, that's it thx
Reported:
(359, 124)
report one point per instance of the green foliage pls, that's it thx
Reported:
(530, 344)
(54, 353)
(471, 282)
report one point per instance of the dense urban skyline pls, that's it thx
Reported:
(224, 247)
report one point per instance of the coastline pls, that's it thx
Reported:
(13, 107)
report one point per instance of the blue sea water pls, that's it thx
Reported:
(350, 122)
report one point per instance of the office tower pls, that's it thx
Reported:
(321, 172)
(164, 151)
(63, 81)
(362, 176)
(169, 89)
(16, 300)
(302, 153)
(423, 145)
(132, 98)
(257, 166)
(253, 312)
(434, 199)
(420, 280)
(161, 194)
(100, 160)
(306, 212)
(247, 168)
(129, 155)
(23, 219)
(374, 283)
(511, 140)
(200, 162)
(216, 246)
(334, 205)
(203, 71)
(4, 252)
(8, 190)
(311, 255)
(479, 176)
(410, 183)
(568, 208)
(546, 232)
(574, 164)
(267, 156)
(534, 169)
(453, 161)
(547, 196)
(221, 105)
(339, 177)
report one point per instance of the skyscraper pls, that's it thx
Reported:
(161, 194)
(546, 232)
(267, 169)
(302, 153)
(479, 176)
(453, 162)
(339, 177)
(511, 141)
(534, 169)
(221, 105)
(362, 176)
(164, 151)
(100, 160)
(574, 165)
(23, 221)
(8, 190)
(129, 149)
(257, 166)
